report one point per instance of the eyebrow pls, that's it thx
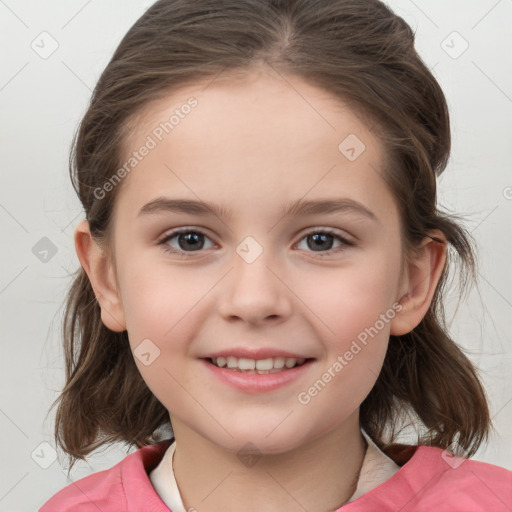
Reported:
(298, 208)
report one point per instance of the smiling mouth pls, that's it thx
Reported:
(257, 366)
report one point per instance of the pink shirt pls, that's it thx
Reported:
(428, 481)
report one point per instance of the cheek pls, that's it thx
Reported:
(356, 318)
(159, 304)
(162, 307)
(156, 298)
(355, 305)
(351, 299)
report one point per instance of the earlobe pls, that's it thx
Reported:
(422, 277)
(98, 266)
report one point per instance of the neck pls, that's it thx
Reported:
(318, 476)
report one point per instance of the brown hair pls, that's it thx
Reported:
(358, 51)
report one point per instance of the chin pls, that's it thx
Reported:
(260, 439)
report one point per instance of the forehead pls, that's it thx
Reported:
(259, 97)
(262, 136)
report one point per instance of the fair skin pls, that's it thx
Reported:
(253, 146)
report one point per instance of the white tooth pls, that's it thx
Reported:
(246, 364)
(264, 364)
(290, 362)
(232, 362)
(278, 362)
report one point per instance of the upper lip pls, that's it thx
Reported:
(260, 353)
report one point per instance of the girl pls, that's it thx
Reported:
(262, 273)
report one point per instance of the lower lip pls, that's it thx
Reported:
(255, 382)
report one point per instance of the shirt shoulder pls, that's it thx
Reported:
(433, 480)
(125, 486)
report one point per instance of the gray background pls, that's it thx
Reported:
(41, 102)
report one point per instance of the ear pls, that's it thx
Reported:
(99, 268)
(420, 280)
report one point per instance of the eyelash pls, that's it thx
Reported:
(184, 254)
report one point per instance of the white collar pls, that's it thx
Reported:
(377, 467)
(375, 470)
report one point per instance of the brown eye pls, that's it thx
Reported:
(185, 241)
(320, 241)
(323, 241)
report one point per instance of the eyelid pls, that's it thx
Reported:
(169, 235)
(176, 231)
(346, 239)
(340, 233)
(346, 242)
(314, 229)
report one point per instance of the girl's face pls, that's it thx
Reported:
(293, 249)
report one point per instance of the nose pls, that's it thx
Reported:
(255, 292)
